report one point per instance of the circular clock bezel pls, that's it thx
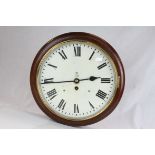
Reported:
(79, 36)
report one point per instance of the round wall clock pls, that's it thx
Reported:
(77, 79)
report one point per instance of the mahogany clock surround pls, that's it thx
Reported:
(81, 36)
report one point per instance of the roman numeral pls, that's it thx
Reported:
(62, 104)
(52, 94)
(105, 80)
(77, 51)
(48, 80)
(52, 66)
(102, 65)
(101, 94)
(76, 108)
(91, 56)
(91, 105)
(63, 55)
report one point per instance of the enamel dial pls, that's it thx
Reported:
(77, 80)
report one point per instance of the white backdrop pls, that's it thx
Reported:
(136, 47)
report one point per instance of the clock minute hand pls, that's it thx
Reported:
(47, 82)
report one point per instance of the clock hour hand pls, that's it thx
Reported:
(91, 78)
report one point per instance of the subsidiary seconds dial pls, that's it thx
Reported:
(76, 80)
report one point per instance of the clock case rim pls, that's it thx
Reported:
(81, 36)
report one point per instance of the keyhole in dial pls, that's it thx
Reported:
(76, 87)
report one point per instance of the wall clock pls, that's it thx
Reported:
(77, 79)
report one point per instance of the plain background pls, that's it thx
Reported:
(135, 46)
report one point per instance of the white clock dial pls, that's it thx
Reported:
(76, 80)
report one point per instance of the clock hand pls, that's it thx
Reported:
(47, 82)
(91, 78)
(76, 80)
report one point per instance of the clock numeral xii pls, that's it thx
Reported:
(77, 51)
